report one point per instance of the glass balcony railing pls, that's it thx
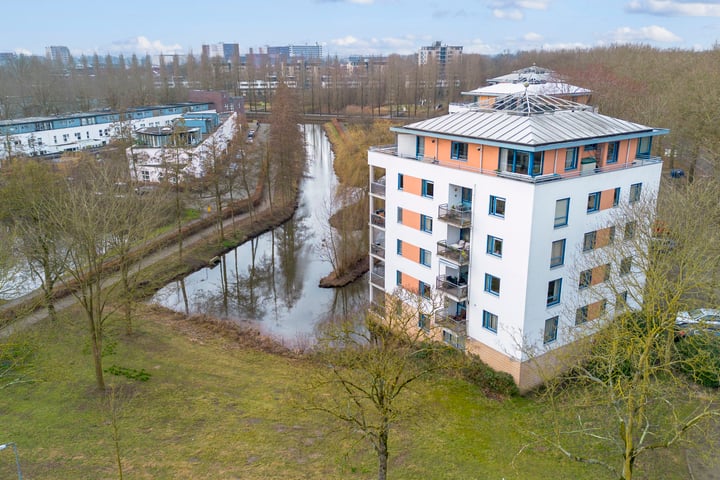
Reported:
(378, 219)
(456, 323)
(458, 215)
(378, 249)
(452, 286)
(377, 188)
(458, 253)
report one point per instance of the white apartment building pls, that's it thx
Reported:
(493, 207)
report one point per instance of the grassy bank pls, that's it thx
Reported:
(222, 405)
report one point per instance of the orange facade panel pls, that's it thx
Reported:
(599, 274)
(411, 252)
(604, 237)
(412, 185)
(409, 282)
(607, 199)
(490, 159)
(411, 219)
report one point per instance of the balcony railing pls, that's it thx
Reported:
(378, 219)
(378, 249)
(452, 286)
(456, 253)
(456, 323)
(458, 215)
(377, 188)
(639, 161)
(377, 277)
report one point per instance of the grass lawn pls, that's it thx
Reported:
(218, 410)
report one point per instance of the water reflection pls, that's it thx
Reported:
(272, 280)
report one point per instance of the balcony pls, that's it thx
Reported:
(450, 285)
(377, 275)
(377, 188)
(458, 215)
(458, 253)
(378, 249)
(456, 323)
(378, 218)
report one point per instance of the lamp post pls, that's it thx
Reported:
(3, 446)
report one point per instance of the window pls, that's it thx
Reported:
(426, 223)
(616, 197)
(420, 147)
(589, 241)
(492, 284)
(425, 257)
(451, 339)
(551, 327)
(459, 151)
(635, 190)
(519, 161)
(593, 202)
(585, 279)
(490, 321)
(145, 175)
(399, 247)
(494, 246)
(497, 206)
(428, 188)
(557, 253)
(630, 228)
(55, 138)
(581, 315)
(644, 146)
(606, 272)
(424, 289)
(625, 265)
(561, 212)
(611, 234)
(621, 301)
(401, 181)
(398, 278)
(399, 214)
(423, 321)
(612, 152)
(553, 293)
(571, 156)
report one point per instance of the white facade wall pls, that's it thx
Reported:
(48, 142)
(148, 164)
(527, 231)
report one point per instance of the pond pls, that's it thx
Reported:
(272, 281)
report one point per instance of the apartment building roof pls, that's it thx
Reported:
(529, 120)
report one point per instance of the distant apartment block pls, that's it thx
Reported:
(440, 54)
(296, 51)
(226, 51)
(494, 208)
(58, 53)
(54, 135)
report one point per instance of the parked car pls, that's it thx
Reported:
(700, 320)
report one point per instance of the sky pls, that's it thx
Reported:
(355, 27)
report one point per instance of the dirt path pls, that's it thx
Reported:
(162, 254)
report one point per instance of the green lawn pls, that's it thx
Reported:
(213, 409)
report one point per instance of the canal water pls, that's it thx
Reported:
(271, 282)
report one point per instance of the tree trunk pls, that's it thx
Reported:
(382, 451)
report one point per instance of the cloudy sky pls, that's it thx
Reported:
(344, 27)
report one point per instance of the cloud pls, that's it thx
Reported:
(514, 9)
(652, 33)
(350, 44)
(511, 14)
(674, 8)
(143, 45)
(532, 37)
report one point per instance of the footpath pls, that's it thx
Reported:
(32, 302)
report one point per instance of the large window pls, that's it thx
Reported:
(428, 189)
(593, 202)
(561, 212)
(625, 265)
(459, 151)
(423, 321)
(420, 147)
(557, 253)
(492, 284)
(528, 163)
(616, 197)
(494, 246)
(612, 152)
(425, 257)
(581, 315)
(553, 292)
(399, 247)
(490, 321)
(497, 206)
(585, 279)
(635, 191)
(424, 289)
(571, 157)
(644, 146)
(551, 328)
(589, 241)
(401, 181)
(426, 223)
